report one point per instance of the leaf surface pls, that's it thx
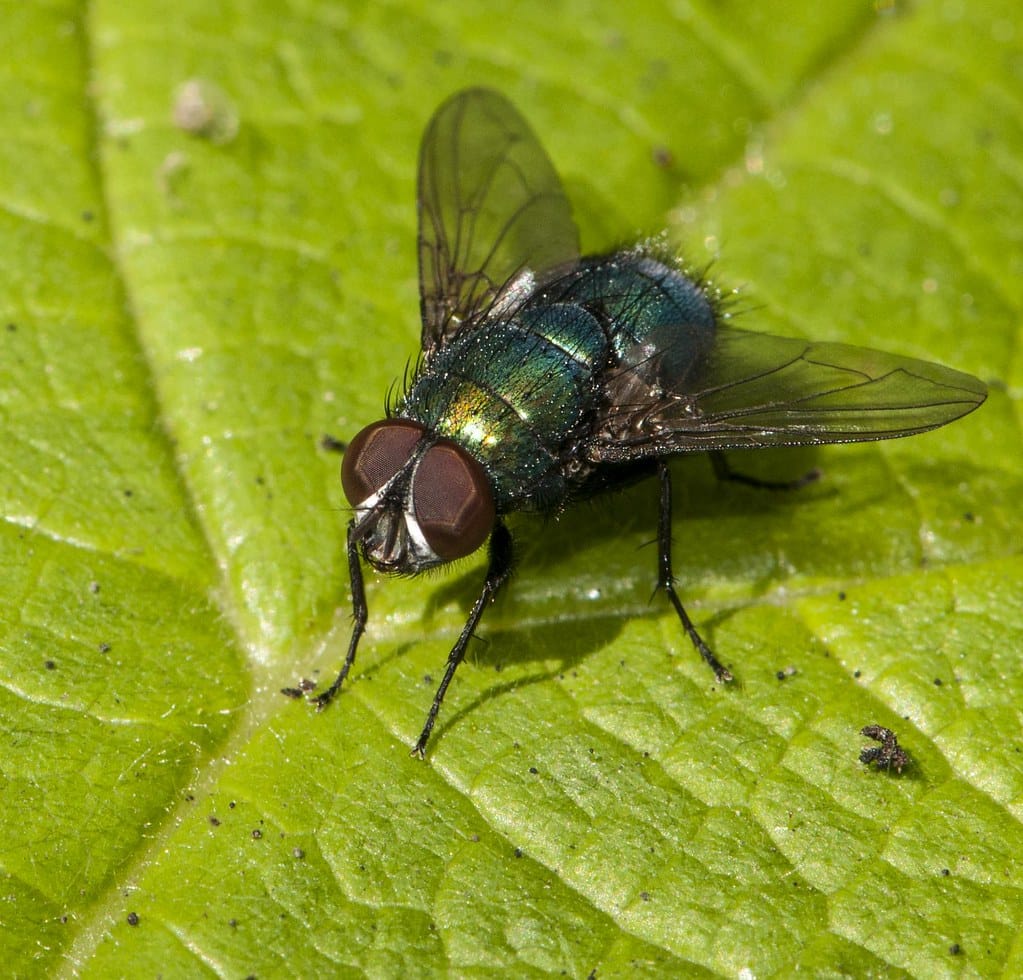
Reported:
(207, 245)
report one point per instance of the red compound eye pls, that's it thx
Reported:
(375, 455)
(453, 502)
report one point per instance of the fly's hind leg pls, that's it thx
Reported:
(723, 471)
(498, 570)
(666, 580)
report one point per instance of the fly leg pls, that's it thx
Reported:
(723, 471)
(666, 580)
(359, 613)
(497, 574)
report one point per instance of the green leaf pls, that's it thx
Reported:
(207, 246)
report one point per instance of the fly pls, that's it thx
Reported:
(547, 377)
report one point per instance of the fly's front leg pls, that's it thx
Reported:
(497, 574)
(723, 471)
(359, 614)
(666, 580)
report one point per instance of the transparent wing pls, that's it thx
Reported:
(749, 390)
(491, 207)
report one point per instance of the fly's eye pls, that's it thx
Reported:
(375, 455)
(453, 503)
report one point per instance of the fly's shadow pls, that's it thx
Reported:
(588, 538)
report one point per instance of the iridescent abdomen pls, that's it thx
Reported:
(515, 391)
(650, 307)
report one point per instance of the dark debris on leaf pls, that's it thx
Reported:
(888, 755)
(330, 444)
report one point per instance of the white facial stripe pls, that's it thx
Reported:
(416, 540)
(368, 504)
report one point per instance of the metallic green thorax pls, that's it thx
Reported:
(519, 390)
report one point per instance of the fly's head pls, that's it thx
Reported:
(419, 501)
